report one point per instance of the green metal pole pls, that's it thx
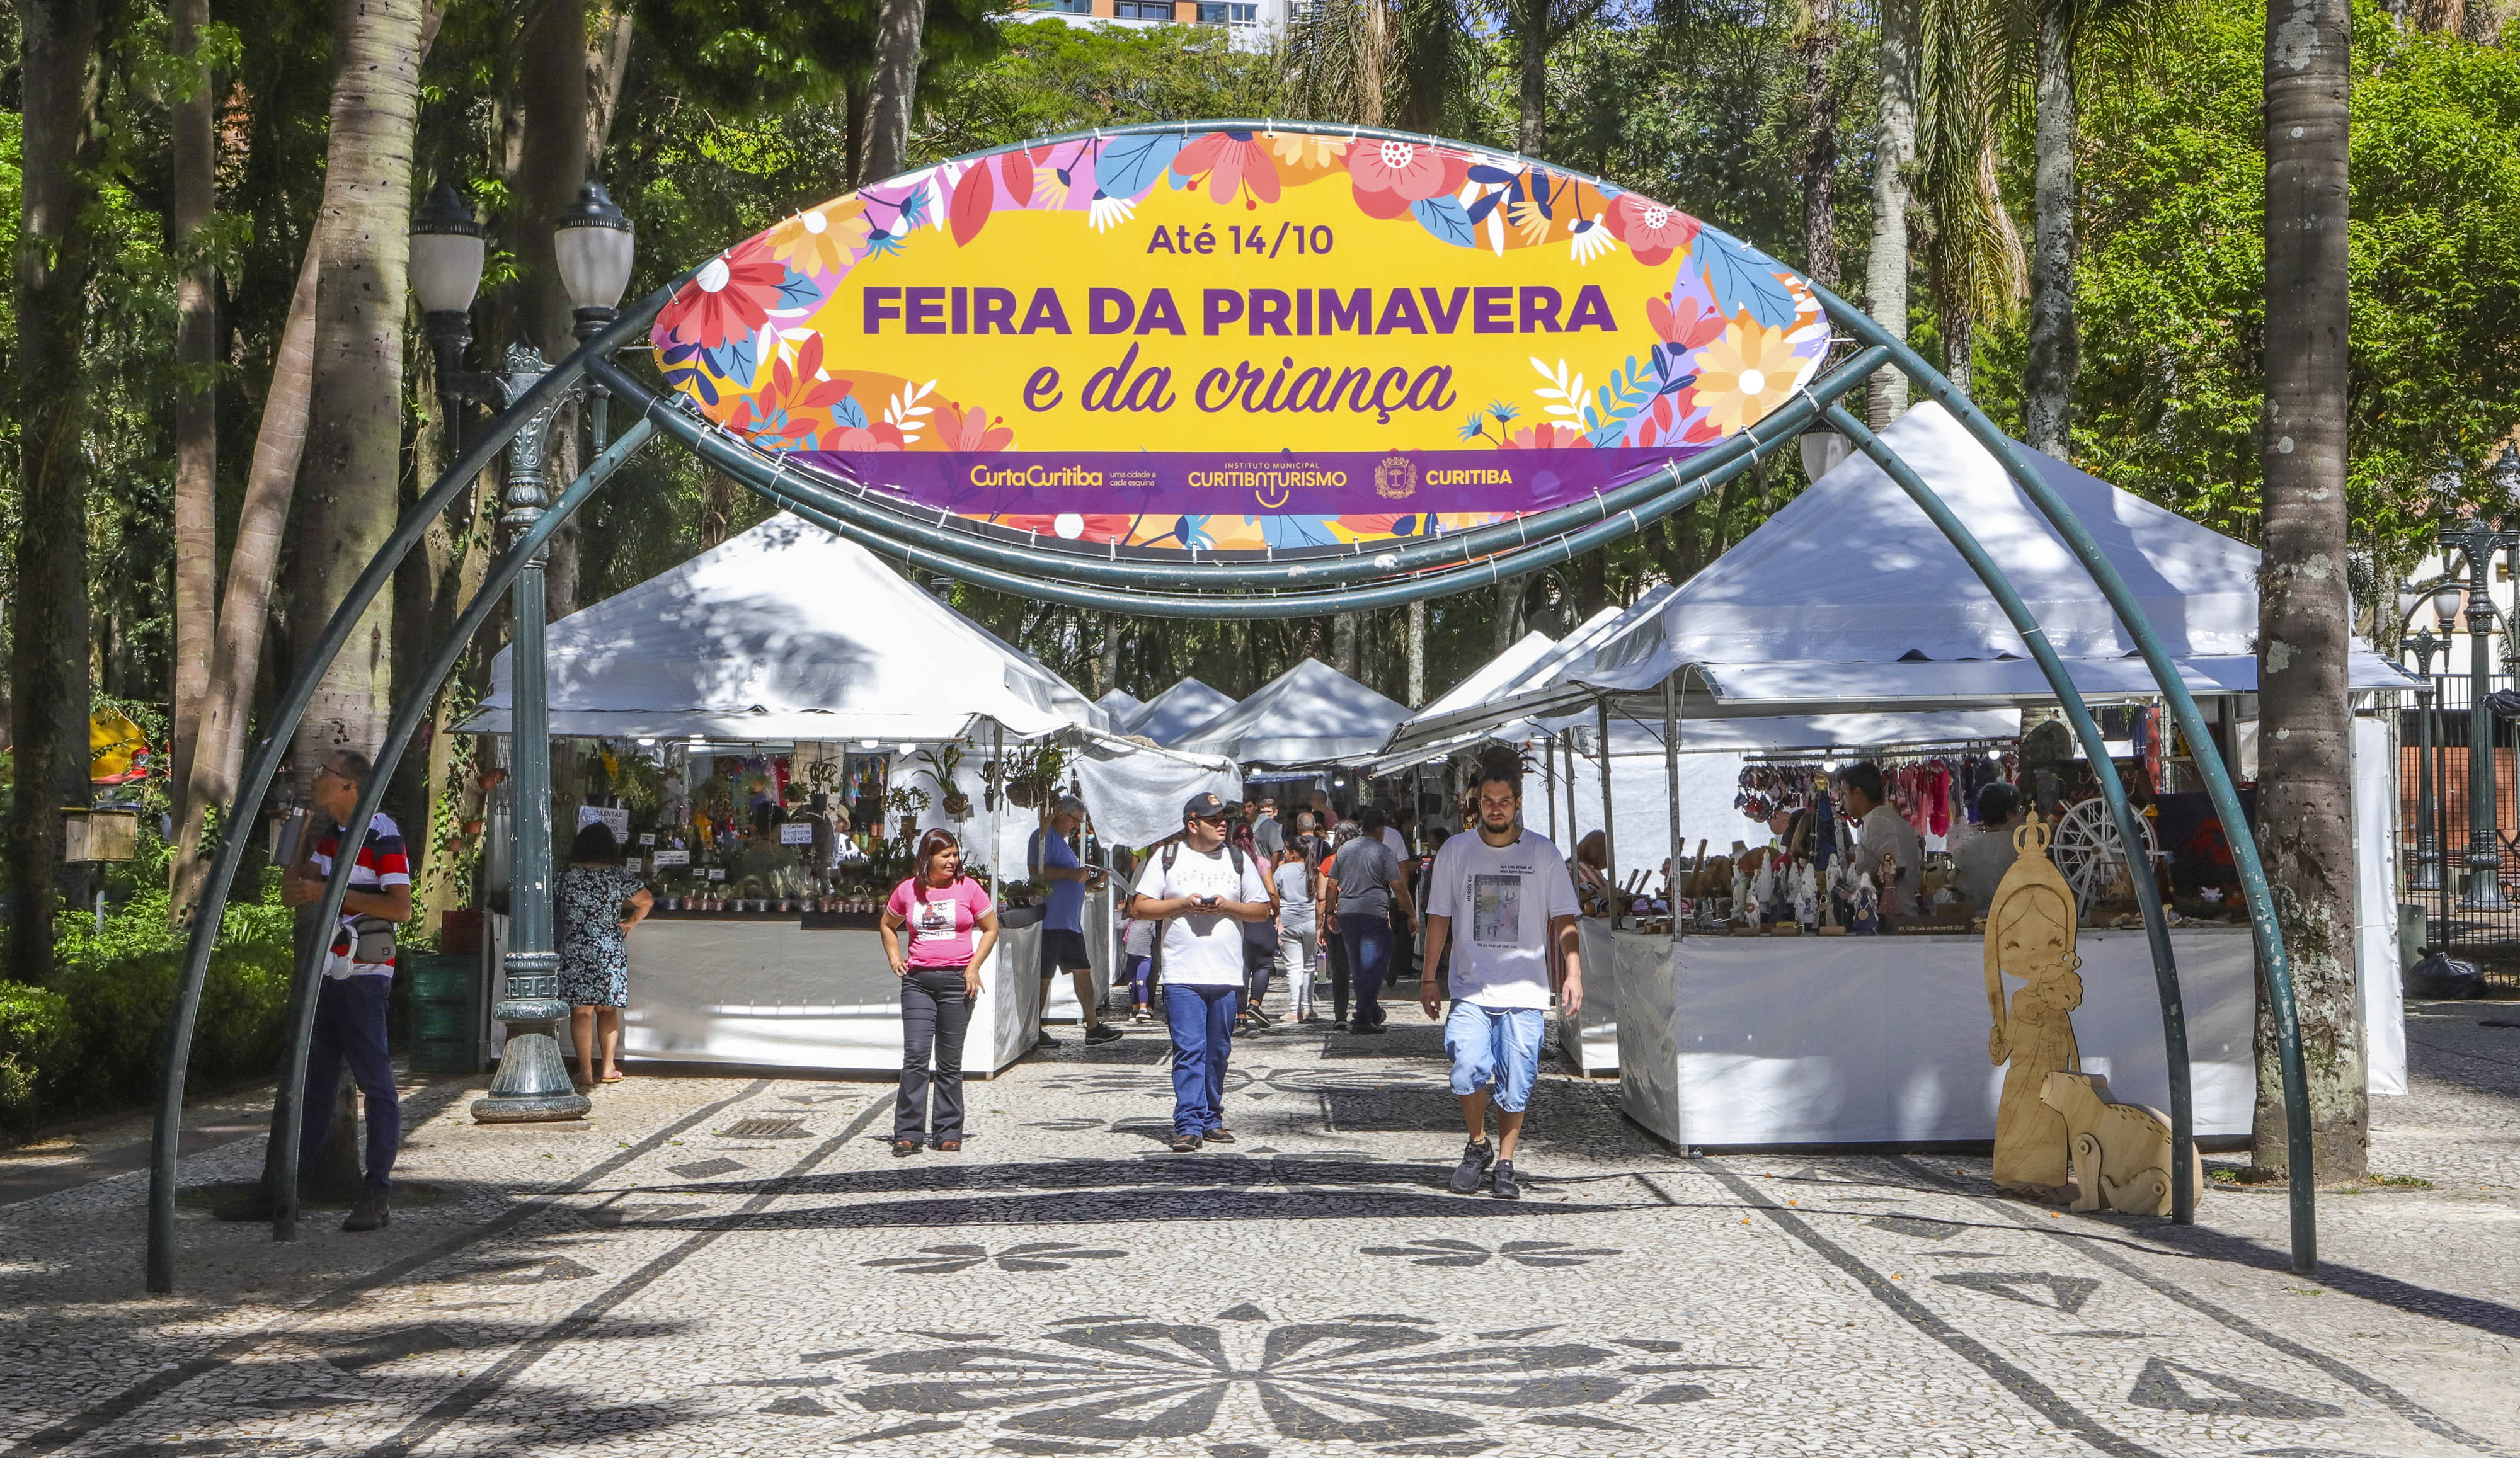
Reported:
(2148, 894)
(2271, 961)
(532, 1084)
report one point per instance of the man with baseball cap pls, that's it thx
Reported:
(1201, 890)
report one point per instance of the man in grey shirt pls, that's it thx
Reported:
(1881, 832)
(1268, 832)
(1982, 860)
(1369, 882)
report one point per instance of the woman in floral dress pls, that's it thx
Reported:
(598, 903)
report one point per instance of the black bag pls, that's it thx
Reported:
(2440, 974)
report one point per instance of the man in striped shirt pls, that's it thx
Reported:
(350, 1009)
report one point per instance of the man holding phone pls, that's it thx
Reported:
(1201, 890)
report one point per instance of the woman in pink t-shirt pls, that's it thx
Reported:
(952, 927)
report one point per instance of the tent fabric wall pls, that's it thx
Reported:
(2376, 970)
(785, 632)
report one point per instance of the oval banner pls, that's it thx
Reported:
(1217, 338)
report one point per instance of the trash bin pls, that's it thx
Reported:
(445, 1012)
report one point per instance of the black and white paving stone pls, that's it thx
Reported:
(653, 1282)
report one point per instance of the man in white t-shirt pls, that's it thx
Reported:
(1499, 899)
(1202, 889)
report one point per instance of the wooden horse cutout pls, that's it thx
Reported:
(2121, 1151)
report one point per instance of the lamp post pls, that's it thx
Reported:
(2476, 540)
(594, 245)
(2422, 643)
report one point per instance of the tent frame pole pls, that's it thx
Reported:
(1610, 833)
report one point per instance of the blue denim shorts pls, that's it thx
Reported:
(1498, 1045)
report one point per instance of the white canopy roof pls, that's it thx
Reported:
(1121, 704)
(1850, 597)
(1177, 711)
(1493, 676)
(1309, 715)
(785, 632)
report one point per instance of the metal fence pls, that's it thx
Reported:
(2476, 918)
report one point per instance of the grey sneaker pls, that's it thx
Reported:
(1506, 1188)
(1475, 1159)
(369, 1214)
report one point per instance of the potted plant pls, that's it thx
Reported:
(941, 762)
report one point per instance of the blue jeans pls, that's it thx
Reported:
(350, 1028)
(1369, 957)
(935, 1013)
(1498, 1045)
(1201, 1019)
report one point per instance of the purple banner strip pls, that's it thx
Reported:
(1333, 483)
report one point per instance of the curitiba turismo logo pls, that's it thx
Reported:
(1210, 338)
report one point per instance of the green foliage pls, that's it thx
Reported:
(118, 982)
(1056, 77)
(2174, 278)
(33, 1023)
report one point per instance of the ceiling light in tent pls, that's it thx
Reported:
(909, 749)
(869, 744)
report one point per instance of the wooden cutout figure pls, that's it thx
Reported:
(2121, 1151)
(2029, 936)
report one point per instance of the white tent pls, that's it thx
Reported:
(1309, 715)
(787, 632)
(1121, 705)
(1177, 711)
(1852, 595)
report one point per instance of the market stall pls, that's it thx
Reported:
(1310, 715)
(768, 727)
(1848, 600)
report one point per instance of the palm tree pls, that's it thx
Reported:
(191, 197)
(353, 450)
(1972, 251)
(898, 34)
(1894, 157)
(2067, 36)
(48, 686)
(2305, 613)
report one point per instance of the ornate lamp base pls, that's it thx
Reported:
(533, 1085)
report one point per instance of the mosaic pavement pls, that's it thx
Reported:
(718, 1268)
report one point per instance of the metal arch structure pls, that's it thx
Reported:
(1306, 585)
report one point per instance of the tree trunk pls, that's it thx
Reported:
(2305, 613)
(894, 92)
(1819, 149)
(1344, 643)
(1592, 579)
(551, 156)
(353, 453)
(1531, 52)
(1960, 336)
(1107, 665)
(48, 651)
(1509, 613)
(2056, 348)
(1886, 268)
(236, 660)
(1417, 653)
(192, 197)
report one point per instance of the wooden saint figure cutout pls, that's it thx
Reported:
(2029, 936)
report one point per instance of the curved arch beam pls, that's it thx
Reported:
(287, 1124)
(2148, 894)
(264, 764)
(931, 546)
(848, 500)
(2272, 963)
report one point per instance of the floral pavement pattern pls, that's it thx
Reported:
(1363, 1379)
(1733, 334)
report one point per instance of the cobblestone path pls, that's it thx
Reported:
(650, 1283)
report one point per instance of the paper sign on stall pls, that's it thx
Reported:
(665, 859)
(796, 833)
(612, 816)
